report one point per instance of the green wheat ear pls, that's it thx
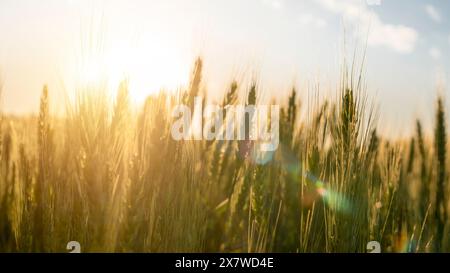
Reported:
(231, 96)
(441, 152)
(412, 152)
(251, 99)
(44, 168)
(424, 182)
(348, 118)
(195, 83)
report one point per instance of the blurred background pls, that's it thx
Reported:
(279, 42)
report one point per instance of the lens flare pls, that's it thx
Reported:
(334, 200)
(320, 189)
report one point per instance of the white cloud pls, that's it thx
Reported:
(276, 4)
(400, 38)
(435, 53)
(312, 20)
(433, 13)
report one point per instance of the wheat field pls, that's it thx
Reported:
(111, 177)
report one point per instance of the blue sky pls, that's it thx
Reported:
(282, 42)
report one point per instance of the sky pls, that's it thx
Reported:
(280, 43)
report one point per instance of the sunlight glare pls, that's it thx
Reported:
(149, 66)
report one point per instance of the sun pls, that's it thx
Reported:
(149, 66)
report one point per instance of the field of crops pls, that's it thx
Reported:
(110, 176)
